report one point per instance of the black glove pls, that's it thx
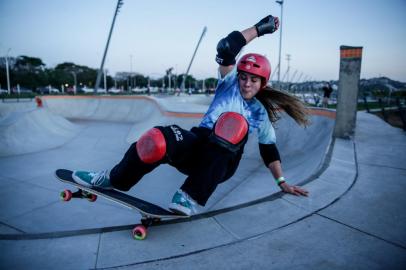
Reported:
(267, 25)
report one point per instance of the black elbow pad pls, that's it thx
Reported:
(229, 47)
(269, 153)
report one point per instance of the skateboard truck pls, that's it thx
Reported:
(67, 195)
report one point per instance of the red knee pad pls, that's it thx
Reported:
(231, 127)
(151, 147)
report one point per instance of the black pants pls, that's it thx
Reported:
(206, 163)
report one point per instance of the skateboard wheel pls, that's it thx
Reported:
(139, 232)
(66, 195)
(92, 197)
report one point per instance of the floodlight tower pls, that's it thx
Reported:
(191, 61)
(99, 73)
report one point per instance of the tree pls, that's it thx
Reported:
(211, 83)
(141, 81)
(28, 72)
(28, 63)
(189, 81)
(85, 76)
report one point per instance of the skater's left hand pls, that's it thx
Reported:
(267, 25)
(295, 190)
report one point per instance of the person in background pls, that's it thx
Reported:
(327, 90)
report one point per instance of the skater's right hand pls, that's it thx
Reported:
(294, 190)
(267, 25)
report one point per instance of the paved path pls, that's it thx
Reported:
(365, 228)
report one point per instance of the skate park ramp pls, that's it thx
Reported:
(100, 131)
(32, 130)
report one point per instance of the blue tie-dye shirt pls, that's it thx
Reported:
(228, 99)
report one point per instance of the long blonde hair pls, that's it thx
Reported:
(274, 101)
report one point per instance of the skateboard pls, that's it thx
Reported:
(150, 213)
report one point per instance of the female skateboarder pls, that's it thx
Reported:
(210, 153)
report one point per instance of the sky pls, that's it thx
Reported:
(151, 36)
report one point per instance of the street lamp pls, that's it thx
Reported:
(280, 42)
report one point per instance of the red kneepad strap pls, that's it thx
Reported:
(231, 127)
(151, 147)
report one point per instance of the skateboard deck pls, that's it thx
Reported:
(150, 212)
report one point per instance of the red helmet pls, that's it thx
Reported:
(255, 64)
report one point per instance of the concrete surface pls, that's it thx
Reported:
(100, 144)
(353, 219)
(33, 130)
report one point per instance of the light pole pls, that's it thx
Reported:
(287, 71)
(169, 81)
(131, 63)
(74, 81)
(99, 73)
(131, 71)
(8, 75)
(280, 42)
(169, 74)
(193, 57)
(105, 80)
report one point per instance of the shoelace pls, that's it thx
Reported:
(98, 178)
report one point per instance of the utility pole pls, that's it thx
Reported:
(280, 42)
(99, 73)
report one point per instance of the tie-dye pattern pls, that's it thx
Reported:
(228, 99)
